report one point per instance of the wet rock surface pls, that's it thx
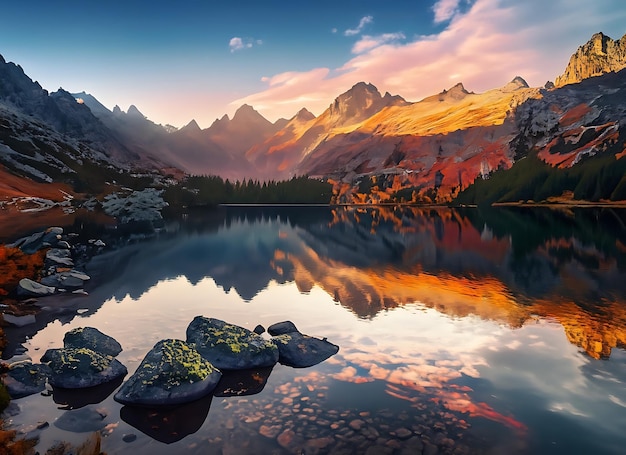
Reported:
(301, 351)
(298, 350)
(230, 347)
(30, 288)
(25, 379)
(281, 328)
(173, 372)
(81, 367)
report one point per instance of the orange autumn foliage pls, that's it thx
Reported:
(15, 265)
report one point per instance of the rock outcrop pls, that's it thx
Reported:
(81, 367)
(600, 55)
(230, 347)
(172, 373)
(298, 350)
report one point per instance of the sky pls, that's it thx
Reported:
(178, 61)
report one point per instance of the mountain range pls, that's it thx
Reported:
(456, 145)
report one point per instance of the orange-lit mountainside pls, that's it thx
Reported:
(507, 144)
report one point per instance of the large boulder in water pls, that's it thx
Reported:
(229, 346)
(91, 338)
(172, 373)
(300, 351)
(24, 379)
(81, 367)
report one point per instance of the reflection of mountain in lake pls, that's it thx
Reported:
(531, 262)
(506, 265)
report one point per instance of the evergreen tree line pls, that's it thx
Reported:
(213, 190)
(601, 177)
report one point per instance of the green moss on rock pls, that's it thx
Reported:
(173, 372)
(229, 346)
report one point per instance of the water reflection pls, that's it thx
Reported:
(168, 425)
(466, 323)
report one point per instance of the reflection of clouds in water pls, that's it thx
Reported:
(554, 378)
(420, 358)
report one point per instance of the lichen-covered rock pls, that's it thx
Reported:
(91, 338)
(282, 327)
(24, 379)
(229, 346)
(300, 351)
(81, 367)
(173, 372)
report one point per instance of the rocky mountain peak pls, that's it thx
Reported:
(304, 115)
(516, 84)
(191, 127)
(454, 93)
(360, 102)
(134, 112)
(599, 55)
(246, 114)
(117, 110)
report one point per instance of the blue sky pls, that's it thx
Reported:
(178, 61)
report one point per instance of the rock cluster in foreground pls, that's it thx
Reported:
(173, 372)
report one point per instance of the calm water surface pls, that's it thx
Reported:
(460, 331)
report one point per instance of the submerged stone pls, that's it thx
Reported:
(300, 351)
(229, 346)
(173, 372)
(92, 338)
(81, 367)
(24, 379)
(82, 420)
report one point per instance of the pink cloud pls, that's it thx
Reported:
(485, 47)
(368, 42)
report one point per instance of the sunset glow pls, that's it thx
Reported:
(197, 62)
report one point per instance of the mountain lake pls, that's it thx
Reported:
(460, 331)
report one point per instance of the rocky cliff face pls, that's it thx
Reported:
(600, 55)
